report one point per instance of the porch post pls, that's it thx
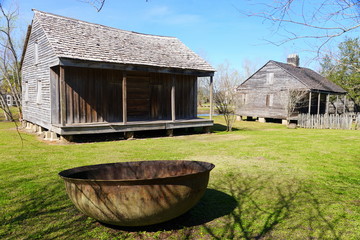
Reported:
(211, 98)
(62, 97)
(344, 104)
(336, 105)
(327, 103)
(318, 106)
(124, 98)
(173, 113)
(309, 109)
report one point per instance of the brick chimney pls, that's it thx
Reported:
(293, 59)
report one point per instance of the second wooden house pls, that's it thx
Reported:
(85, 78)
(268, 93)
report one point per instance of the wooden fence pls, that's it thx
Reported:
(329, 121)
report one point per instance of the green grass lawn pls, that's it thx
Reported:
(269, 182)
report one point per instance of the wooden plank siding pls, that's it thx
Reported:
(185, 97)
(55, 99)
(95, 96)
(138, 98)
(160, 95)
(41, 112)
(266, 93)
(256, 90)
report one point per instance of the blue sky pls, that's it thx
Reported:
(214, 29)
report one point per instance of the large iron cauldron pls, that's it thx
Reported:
(137, 193)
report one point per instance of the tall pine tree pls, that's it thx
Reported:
(344, 70)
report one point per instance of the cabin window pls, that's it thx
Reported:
(36, 53)
(9, 100)
(270, 78)
(243, 98)
(39, 92)
(26, 92)
(269, 100)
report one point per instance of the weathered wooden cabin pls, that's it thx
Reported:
(85, 78)
(266, 94)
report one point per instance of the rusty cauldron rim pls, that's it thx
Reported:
(65, 173)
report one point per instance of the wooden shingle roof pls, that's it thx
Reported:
(310, 78)
(76, 39)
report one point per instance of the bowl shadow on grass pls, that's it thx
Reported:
(264, 205)
(254, 207)
(206, 210)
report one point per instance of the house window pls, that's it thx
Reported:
(9, 100)
(39, 92)
(270, 78)
(26, 92)
(36, 53)
(243, 99)
(269, 100)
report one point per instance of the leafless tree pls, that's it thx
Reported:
(249, 67)
(10, 68)
(293, 100)
(225, 97)
(203, 91)
(322, 20)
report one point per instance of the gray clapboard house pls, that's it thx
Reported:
(84, 78)
(265, 94)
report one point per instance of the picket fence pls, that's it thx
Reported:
(329, 121)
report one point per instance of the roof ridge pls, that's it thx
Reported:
(104, 26)
(316, 80)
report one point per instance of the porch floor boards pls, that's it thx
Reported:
(130, 126)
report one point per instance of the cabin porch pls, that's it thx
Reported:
(91, 128)
(88, 100)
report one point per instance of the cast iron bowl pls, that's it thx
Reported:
(137, 193)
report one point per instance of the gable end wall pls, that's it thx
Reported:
(38, 113)
(256, 89)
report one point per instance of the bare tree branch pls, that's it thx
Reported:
(293, 100)
(97, 4)
(225, 96)
(324, 20)
(10, 69)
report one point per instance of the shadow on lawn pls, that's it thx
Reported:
(222, 128)
(248, 207)
(264, 206)
(237, 207)
(40, 213)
